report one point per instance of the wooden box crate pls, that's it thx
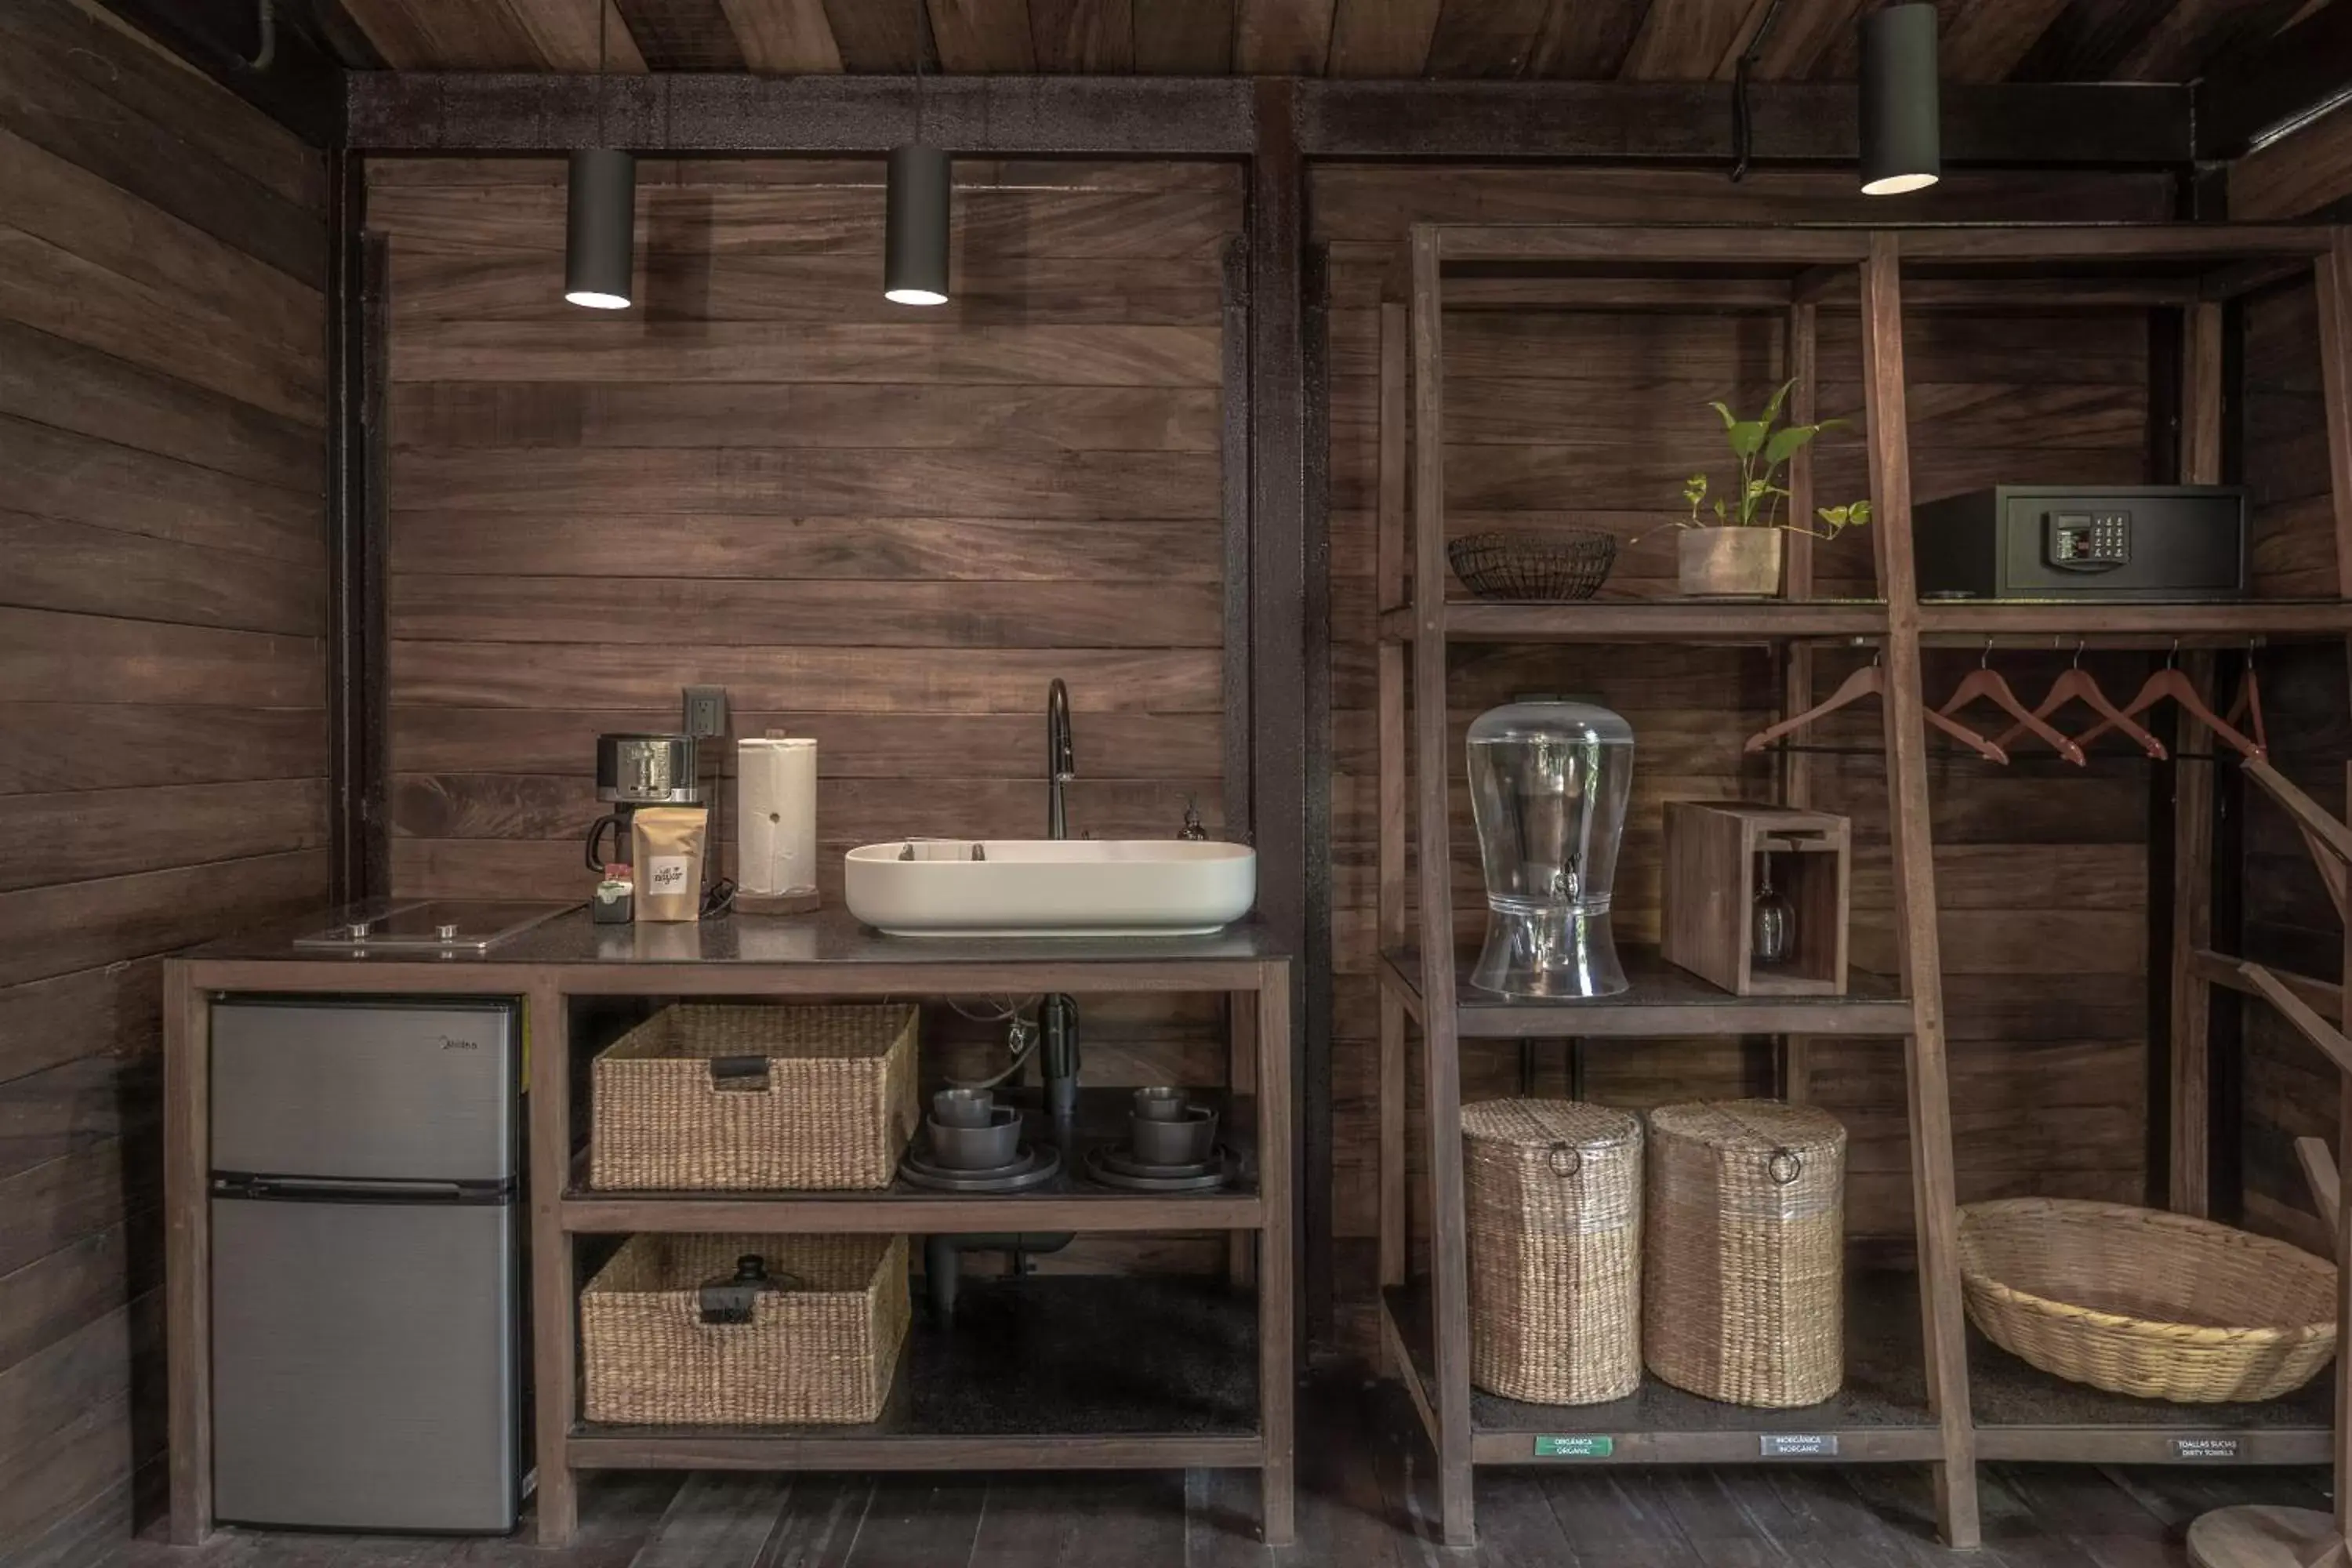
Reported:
(1715, 852)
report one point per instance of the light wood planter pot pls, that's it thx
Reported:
(1728, 563)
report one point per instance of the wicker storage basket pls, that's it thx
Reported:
(1746, 1251)
(762, 1097)
(823, 1349)
(1554, 1193)
(2143, 1302)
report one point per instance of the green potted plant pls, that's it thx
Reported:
(1738, 555)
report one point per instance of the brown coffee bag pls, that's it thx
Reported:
(668, 842)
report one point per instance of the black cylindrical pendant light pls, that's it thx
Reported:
(914, 236)
(1902, 145)
(915, 225)
(600, 232)
(600, 225)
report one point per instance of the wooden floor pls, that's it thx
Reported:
(1366, 1502)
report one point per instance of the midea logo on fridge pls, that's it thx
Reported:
(452, 1043)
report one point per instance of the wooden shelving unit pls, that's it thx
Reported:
(1921, 1386)
(1046, 1372)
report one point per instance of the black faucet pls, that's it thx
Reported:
(1060, 767)
(1059, 1016)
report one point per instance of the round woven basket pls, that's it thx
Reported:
(2139, 1301)
(1746, 1251)
(1553, 566)
(1554, 1193)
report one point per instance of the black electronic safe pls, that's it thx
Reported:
(2084, 542)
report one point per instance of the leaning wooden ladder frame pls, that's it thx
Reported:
(2261, 1536)
(1792, 269)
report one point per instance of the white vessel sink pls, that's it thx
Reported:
(1042, 887)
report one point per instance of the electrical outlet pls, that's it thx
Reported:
(706, 712)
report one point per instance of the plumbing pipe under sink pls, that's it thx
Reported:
(943, 1260)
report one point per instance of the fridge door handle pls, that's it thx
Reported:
(333, 1189)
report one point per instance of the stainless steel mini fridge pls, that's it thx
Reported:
(366, 1279)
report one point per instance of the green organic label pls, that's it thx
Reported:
(1561, 1447)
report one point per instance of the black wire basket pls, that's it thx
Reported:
(1554, 567)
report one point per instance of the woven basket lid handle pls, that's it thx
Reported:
(725, 1301)
(1783, 1165)
(1566, 1159)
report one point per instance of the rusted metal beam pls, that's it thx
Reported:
(713, 113)
(2002, 124)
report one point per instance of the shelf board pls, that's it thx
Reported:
(2153, 623)
(1060, 1372)
(1068, 1202)
(2025, 1414)
(1662, 1000)
(1880, 1416)
(2018, 1411)
(2146, 624)
(1697, 621)
(1881, 1413)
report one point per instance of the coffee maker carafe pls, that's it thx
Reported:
(1548, 784)
(634, 770)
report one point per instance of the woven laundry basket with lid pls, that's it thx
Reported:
(1554, 1193)
(1746, 1251)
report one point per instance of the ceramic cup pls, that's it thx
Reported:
(1188, 1141)
(978, 1148)
(964, 1106)
(1160, 1104)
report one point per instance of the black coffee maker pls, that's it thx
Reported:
(634, 770)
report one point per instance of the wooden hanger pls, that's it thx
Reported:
(1871, 681)
(2248, 705)
(2168, 683)
(2076, 685)
(1985, 683)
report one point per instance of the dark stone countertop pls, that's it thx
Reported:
(830, 936)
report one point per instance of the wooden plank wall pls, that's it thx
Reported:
(886, 527)
(163, 739)
(2287, 1088)
(1560, 418)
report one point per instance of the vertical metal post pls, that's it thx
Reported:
(1289, 674)
(358, 726)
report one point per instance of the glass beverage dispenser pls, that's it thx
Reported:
(1548, 782)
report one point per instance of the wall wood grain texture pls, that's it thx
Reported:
(888, 527)
(1560, 418)
(163, 734)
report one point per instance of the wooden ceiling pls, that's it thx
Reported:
(1656, 40)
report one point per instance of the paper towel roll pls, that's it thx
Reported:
(775, 796)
